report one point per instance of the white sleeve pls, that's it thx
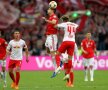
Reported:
(9, 45)
(61, 25)
(25, 45)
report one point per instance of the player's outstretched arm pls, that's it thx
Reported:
(79, 13)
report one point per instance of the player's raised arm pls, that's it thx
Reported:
(79, 13)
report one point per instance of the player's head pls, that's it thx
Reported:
(51, 11)
(16, 34)
(88, 35)
(65, 18)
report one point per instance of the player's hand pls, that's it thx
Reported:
(85, 52)
(44, 18)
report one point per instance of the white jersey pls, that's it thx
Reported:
(69, 30)
(16, 48)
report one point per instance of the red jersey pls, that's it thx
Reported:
(88, 46)
(3, 45)
(50, 27)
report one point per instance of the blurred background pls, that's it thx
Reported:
(27, 17)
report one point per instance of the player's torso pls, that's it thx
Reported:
(69, 32)
(89, 48)
(17, 49)
(89, 45)
(50, 27)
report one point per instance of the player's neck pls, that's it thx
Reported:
(16, 39)
(88, 39)
(51, 14)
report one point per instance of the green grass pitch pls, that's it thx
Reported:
(40, 80)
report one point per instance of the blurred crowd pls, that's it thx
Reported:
(33, 28)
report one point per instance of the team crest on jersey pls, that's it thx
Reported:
(16, 46)
(88, 44)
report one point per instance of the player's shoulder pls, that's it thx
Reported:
(54, 16)
(21, 40)
(84, 40)
(92, 41)
(11, 41)
(74, 24)
(2, 39)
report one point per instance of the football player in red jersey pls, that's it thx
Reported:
(51, 34)
(3, 45)
(88, 47)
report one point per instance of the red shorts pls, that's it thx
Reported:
(15, 63)
(67, 46)
(68, 65)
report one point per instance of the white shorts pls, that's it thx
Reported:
(51, 42)
(3, 63)
(88, 62)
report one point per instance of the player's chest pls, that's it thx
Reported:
(89, 44)
(17, 45)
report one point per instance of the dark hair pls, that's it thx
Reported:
(16, 30)
(65, 18)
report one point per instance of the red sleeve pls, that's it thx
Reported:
(5, 43)
(55, 18)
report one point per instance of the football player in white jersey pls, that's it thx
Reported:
(15, 50)
(67, 45)
(64, 59)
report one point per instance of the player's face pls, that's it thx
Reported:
(16, 35)
(49, 11)
(88, 35)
